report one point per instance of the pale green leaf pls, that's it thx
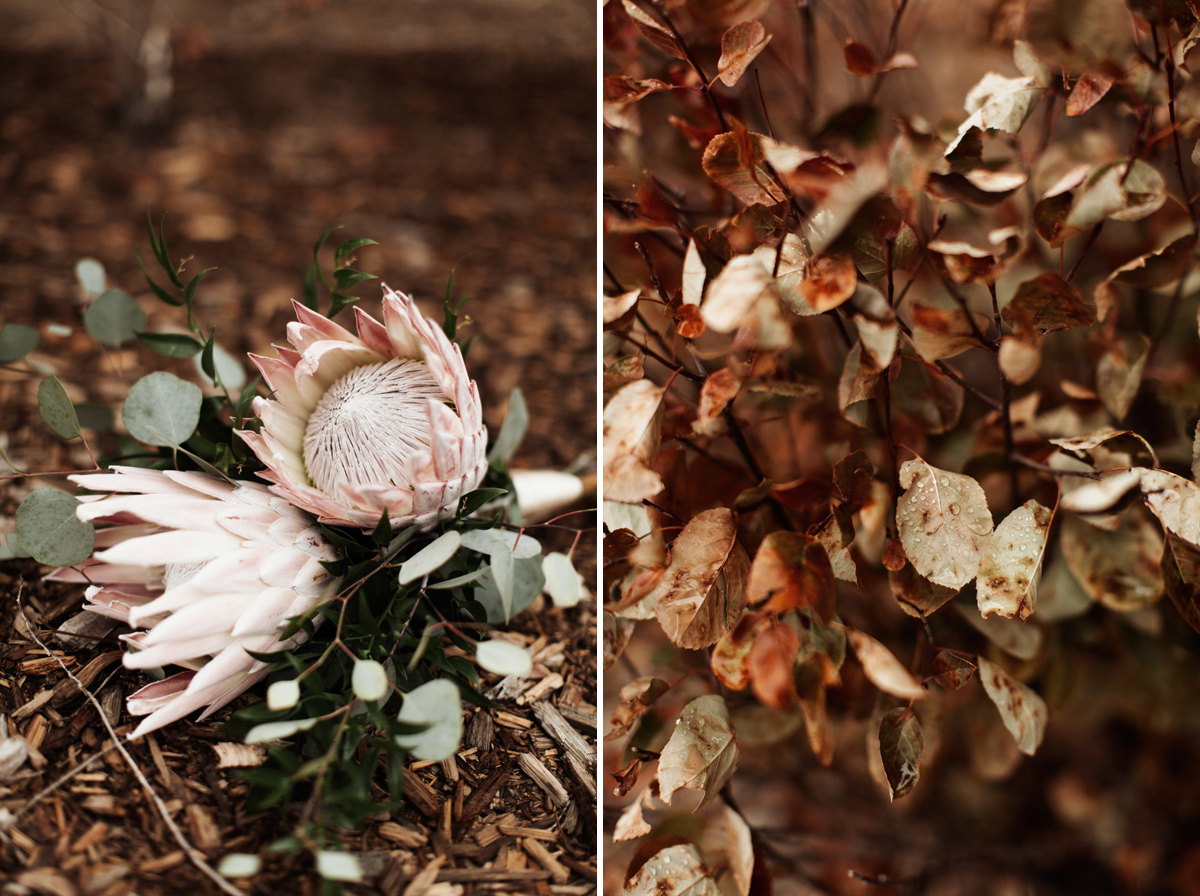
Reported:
(56, 408)
(430, 557)
(114, 318)
(503, 658)
(437, 705)
(161, 409)
(50, 531)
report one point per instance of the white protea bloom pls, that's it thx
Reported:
(387, 420)
(207, 570)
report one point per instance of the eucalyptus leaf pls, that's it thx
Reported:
(114, 318)
(430, 557)
(562, 582)
(56, 409)
(161, 409)
(171, 345)
(50, 531)
(16, 341)
(512, 431)
(91, 276)
(435, 704)
(503, 658)
(528, 582)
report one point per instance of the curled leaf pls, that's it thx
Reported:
(1023, 711)
(740, 46)
(901, 744)
(1011, 566)
(882, 668)
(701, 753)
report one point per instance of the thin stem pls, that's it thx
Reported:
(1042, 468)
(658, 5)
(1006, 405)
(1170, 68)
(1084, 251)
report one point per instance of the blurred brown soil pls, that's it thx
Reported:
(484, 161)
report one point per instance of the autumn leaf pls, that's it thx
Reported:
(1019, 358)
(1119, 569)
(1181, 578)
(719, 389)
(1174, 500)
(701, 752)
(998, 103)
(624, 89)
(836, 535)
(943, 521)
(631, 824)
(791, 570)
(811, 689)
(1157, 269)
(657, 34)
(917, 595)
(740, 46)
(743, 174)
(901, 744)
(1045, 304)
(701, 594)
(675, 871)
(630, 441)
(1024, 712)
(731, 655)
(939, 333)
(952, 670)
(771, 658)
(1119, 372)
(1088, 90)
(852, 477)
(882, 668)
(1011, 566)
(740, 847)
(636, 698)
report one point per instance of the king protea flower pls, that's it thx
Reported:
(387, 420)
(208, 569)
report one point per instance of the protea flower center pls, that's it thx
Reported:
(368, 424)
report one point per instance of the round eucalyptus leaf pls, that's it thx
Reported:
(161, 409)
(369, 680)
(56, 408)
(260, 734)
(229, 369)
(503, 658)
(528, 581)
(437, 705)
(562, 582)
(338, 866)
(16, 341)
(114, 318)
(239, 864)
(91, 276)
(172, 345)
(50, 531)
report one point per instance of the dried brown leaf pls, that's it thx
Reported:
(901, 744)
(1088, 90)
(1011, 565)
(636, 698)
(701, 594)
(1119, 372)
(657, 34)
(740, 46)
(1022, 709)
(731, 655)
(630, 441)
(1045, 304)
(792, 570)
(943, 521)
(770, 661)
(952, 670)
(631, 825)
(1118, 569)
(882, 668)
(719, 389)
(939, 333)
(701, 753)
(740, 848)
(625, 89)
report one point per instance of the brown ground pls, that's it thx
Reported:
(481, 156)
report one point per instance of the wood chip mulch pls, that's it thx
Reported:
(513, 811)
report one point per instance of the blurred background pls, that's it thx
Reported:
(453, 134)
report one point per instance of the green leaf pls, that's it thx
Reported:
(527, 583)
(350, 246)
(516, 421)
(193, 283)
(430, 557)
(313, 275)
(159, 244)
(472, 501)
(50, 531)
(435, 704)
(16, 341)
(56, 409)
(91, 276)
(114, 318)
(900, 746)
(345, 278)
(450, 313)
(171, 345)
(161, 409)
(242, 408)
(338, 301)
(207, 365)
(162, 294)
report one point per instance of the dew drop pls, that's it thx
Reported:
(954, 509)
(944, 481)
(1020, 547)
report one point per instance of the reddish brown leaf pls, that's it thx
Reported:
(829, 280)
(901, 744)
(637, 697)
(719, 389)
(657, 34)
(740, 46)
(1088, 90)
(859, 59)
(742, 174)
(916, 594)
(852, 475)
(626, 778)
(952, 670)
(792, 570)
(688, 322)
(702, 592)
(894, 558)
(625, 89)
(1048, 303)
(730, 655)
(883, 669)
(943, 332)
(1181, 578)
(770, 660)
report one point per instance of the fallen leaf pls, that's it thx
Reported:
(792, 570)
(1008, 575)
(701, 594)
(1023, 711)
(882, 668)
(701, 752)
(901, 744)
(943, 522)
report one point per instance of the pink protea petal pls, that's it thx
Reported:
(373, 334)
(327, 362)
(212, 615)
(180, 546)
(397, 318)
(280, 378)
(447, 440)
(173, 652)
(158, 694)
(130, 479)
(174, 511)
(268, 613)
(232, 662)
(323, 325)
(233, 688)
